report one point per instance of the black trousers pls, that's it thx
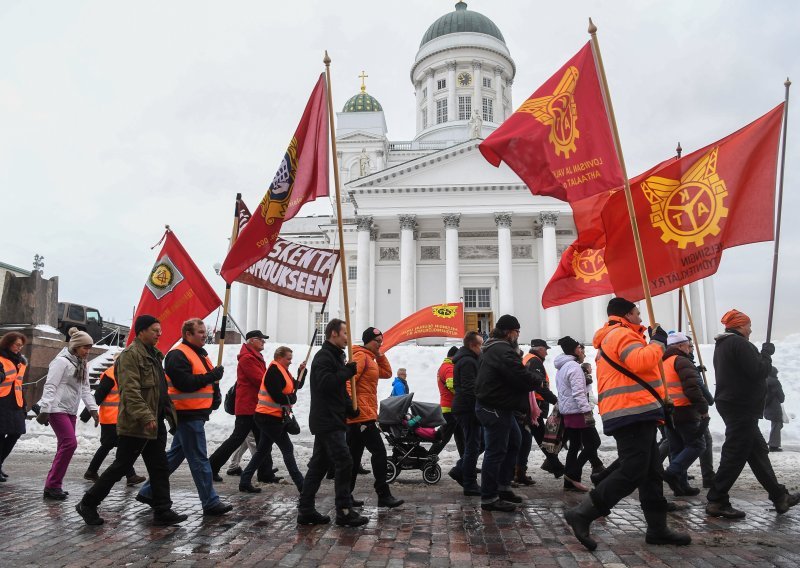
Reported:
(108, 441)
(273, 431)
(153, 454)
(365, 435)
(583, 445)
(449, 430)
(330, 448)
(639, 468)
(7, 442)
(744, 444)
(241, 428)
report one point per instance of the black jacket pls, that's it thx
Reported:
(502, 378)
(691, 383)
(179, 371)
(330, 402)
(465, 372)
(741, 373)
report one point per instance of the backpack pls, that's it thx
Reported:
(230, 400)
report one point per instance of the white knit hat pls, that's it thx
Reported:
(78, 338)
(677, 337)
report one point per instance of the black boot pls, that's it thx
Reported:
(659, 533)
(597, 477)
(386, 499)
(580, 519)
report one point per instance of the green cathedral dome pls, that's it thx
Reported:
(462, 20)
(362, 102)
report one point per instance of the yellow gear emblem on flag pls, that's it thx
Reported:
(445, 311)
(589, 265)
(559, 112)
(161, 276)
(690, 209)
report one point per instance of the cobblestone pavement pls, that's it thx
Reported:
(436, 527)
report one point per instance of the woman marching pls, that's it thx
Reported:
(12, 406)
(67, 384)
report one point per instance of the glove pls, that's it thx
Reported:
(768, 349)
(588, 418)
(351, 413)
(85, 415)
(352, 369)
(217, 373)
(701, 368)
(43, 418)
(657, 334)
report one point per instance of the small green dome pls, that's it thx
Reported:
(362, 102)
(462, 20)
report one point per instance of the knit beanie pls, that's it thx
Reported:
(619, 307)
(452, 351)
(507, 323)
(568, 345)
(369, 334)
(734, 318)
(78, 338)
(143, 322)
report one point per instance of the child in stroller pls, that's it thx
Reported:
(406, 424)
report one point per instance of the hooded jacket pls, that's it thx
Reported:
(249, 374)
(573, 397)
(67, 384)
(502, 378)
(691, 383)
(741, 373)
(465, 373)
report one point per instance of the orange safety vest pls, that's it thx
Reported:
(265, 403)
(674, 387)
(109, 408)
(12, 379)
(525, 360)
(200, 399)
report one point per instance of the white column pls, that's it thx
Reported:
(588, 319)
(499, 109)
(452, 111)
(408, 265)
(334, 305)
(252, 308)
(262, 310)
(363, 224)
(241, 306)
(272, 327)
(710, 297)
(505, 281)
(431, 105)
(550, 253)
(696, 303)
(537, 234)
(599, 315)
(451, 268)
(380, 162)
(477, 96)
(509, 82)
(373, 245)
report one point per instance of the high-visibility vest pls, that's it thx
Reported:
(265, 403)
(109, 408)
(12, 380)
(200, 399)
(674, 386)
(525, 360)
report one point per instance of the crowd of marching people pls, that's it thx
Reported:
(495, 401)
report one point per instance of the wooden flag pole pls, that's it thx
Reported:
(786, 84)
(678, 152)
(694, 335)
(234, 235)
(301, 377)
(342, 260)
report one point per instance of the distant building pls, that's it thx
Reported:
(15, 270)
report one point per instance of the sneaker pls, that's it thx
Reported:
(143, 499)
(350, 519)
(54, 494)
(218, 510)
(724, 511)
(312, 518)
(787, 501)
(509, 496)
(89, 514)
(249, 488)
(499, 505)
(217, 477)
(167, 518)
(135, 480)
(91, 475)
(234, 471)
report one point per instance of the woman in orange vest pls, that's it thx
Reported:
(12, 405)
(276, 396)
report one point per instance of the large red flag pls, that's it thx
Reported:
(559, 141)
(690, 210)
(580, 275)
(301, 177)
(442, 320)
(175, 291)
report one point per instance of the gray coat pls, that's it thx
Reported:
(775, 397)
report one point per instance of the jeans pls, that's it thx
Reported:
(775, 433)
(468, 464)
(64, 426)
(128, 451)
(108, 441)
(583, 445)
(446, 432)
(502, 439)
(525, 445)
(242, 427)
(365, 435)
(744, 444)
(189, 442)
(330, 448)
(272, 431)
(639, 468)
(686, 444)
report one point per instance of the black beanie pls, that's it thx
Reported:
(369, 334)
(619, 307)
(452, 351)
(568, 345)
(507, 323)
(143, 322)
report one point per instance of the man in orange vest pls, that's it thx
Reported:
(193, 387)
(630, 399)
(687, 439)
(106, 395)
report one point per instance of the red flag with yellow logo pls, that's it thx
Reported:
(301, 177)
(580, 275)
(441, 320)
(559, 141)
(691, 209)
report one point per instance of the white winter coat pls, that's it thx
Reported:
(571, 385)
(64, 390)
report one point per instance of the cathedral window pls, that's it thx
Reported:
(441, 111)
(352, 272)
(477, 298)
(441, 84)
(487, 82)
(464, 107)
(488, 110)
(320, 321)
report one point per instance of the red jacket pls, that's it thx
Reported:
(444, 378)
(249, 374)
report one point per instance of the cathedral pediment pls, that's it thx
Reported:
(359, 136)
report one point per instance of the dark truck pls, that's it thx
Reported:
(89, 320)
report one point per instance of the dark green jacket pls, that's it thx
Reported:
(142, 388)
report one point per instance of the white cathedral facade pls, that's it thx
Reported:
(429, 220)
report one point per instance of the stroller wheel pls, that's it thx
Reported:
(431, 473)
(392, 471)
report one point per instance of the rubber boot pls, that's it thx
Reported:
(580, 519)
(659, 533)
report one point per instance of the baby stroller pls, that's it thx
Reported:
(408, 450)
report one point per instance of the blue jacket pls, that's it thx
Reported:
(399, 387)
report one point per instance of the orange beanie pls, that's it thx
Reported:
(734, 318)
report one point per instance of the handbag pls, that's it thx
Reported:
(230, 400)
(290, 422)
(553, 439)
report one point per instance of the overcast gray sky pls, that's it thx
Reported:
(118, 117)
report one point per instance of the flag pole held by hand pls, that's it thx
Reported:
(234, 235)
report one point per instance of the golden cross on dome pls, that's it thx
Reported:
(362, 77)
